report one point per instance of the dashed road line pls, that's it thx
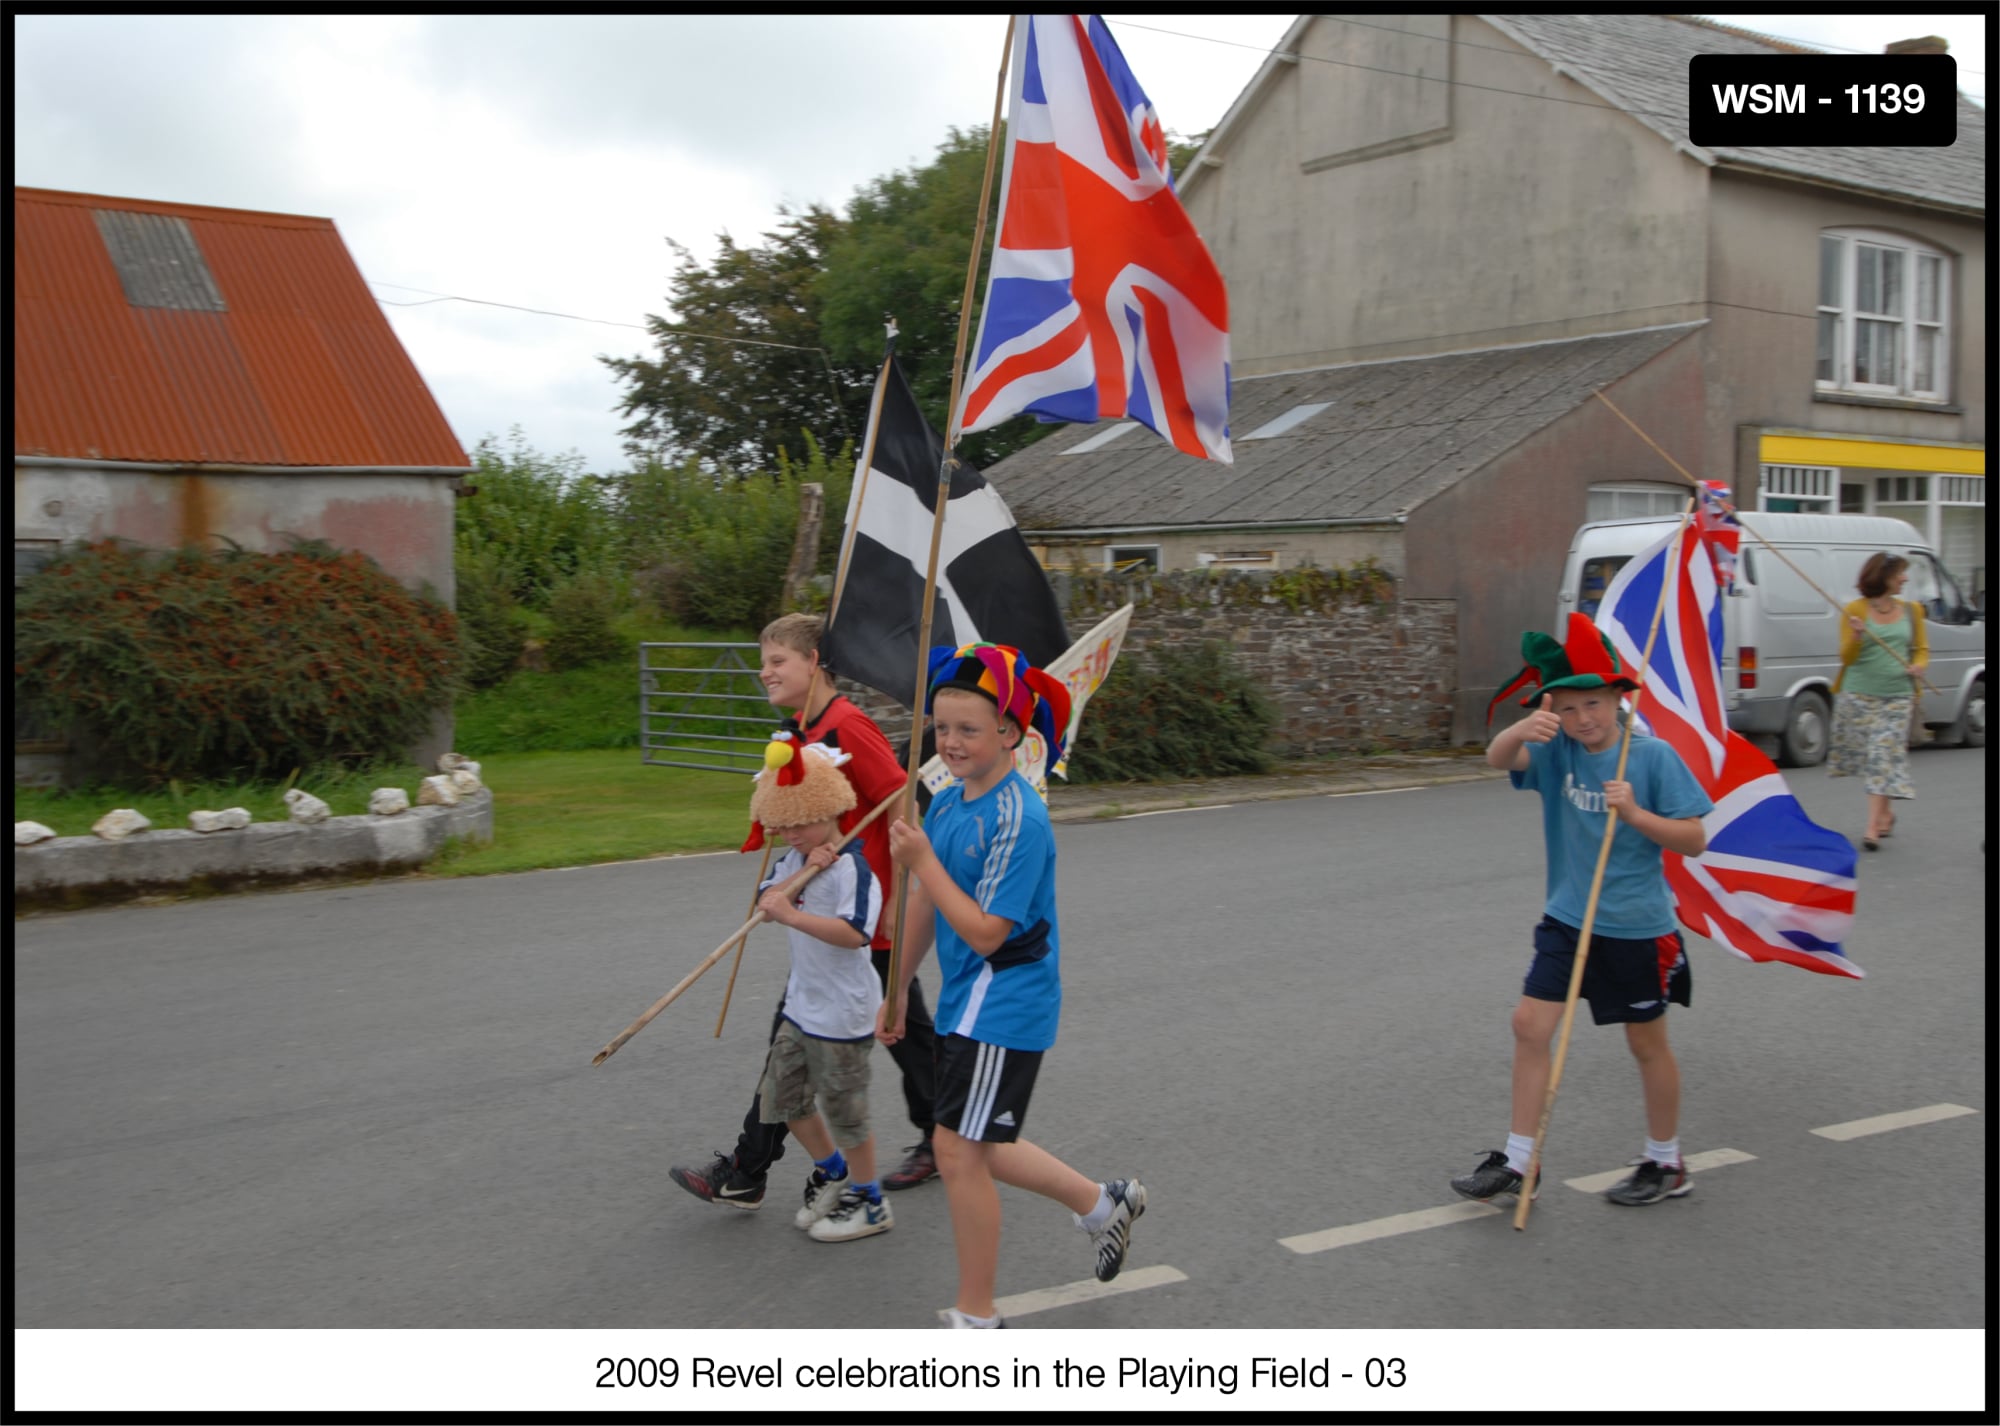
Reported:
(1375, 792)
(1027, 1303)
(1388, 1227)
(1883, 1123)
(1170, 811)
(1708, 1159)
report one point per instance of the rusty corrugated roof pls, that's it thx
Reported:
(151, 331)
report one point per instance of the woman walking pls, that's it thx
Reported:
(1876, 690)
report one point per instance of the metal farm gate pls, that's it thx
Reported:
(702, 705)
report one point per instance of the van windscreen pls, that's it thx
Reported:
(1595, 579)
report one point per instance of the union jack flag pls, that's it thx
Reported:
(1773, 885)
(1721, 533)
(1103, 300)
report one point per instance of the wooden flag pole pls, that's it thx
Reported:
(861, 490)
(793, 885)
(744, 939)
(1531, 1180)
(909, 794)
(1908, 667)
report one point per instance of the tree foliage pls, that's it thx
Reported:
(1174, 713)
(198, 663)
(822, 282)
(536, 521)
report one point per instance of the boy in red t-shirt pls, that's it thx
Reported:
(794, 677)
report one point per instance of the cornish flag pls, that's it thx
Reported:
(1103, 300)
(1773, 885)
(990, 587)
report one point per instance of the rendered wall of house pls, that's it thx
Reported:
(1495, 542)
(1181, 549)
(1359, 215)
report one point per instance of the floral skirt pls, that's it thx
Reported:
(1871, 739)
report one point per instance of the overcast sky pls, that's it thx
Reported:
(542, 160)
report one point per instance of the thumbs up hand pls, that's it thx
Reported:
(1543, 724)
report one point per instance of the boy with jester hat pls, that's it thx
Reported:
(1567, 751)
(816, 1075)
(983, 872)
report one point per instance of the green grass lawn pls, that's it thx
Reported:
(573, 809)
(71, 812)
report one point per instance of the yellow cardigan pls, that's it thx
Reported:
(1850, 642)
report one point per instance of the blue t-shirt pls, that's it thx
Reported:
(1000, 850)
(1635, 903)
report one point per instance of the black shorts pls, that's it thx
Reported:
(982, 1090)
(1626, 982)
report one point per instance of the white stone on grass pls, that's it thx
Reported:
(26, 834)
(388, 801)
(120, 823)
(230, 819)
(452, 762)
(305, 807)
(437, 792)
(466, 779)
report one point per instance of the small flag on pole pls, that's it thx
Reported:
(1103, 300)
(990, 586)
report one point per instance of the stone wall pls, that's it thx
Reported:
(1350, 663)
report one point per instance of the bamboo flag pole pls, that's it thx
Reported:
(744, 939)
(867, 464)
(1908, 667)
(1531, 1180)
(792, 886)
(909, 793)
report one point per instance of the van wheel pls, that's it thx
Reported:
(1970, 729)
(1808, 727)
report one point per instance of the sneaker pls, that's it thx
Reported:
(1649, 1183)
(853, 1216)
(919, 1167)
(955, 1319)
(1128, 1201)
(1492, 1179)
(822, 1193)
(719, 1182)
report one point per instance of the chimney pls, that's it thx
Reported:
(1927, 44)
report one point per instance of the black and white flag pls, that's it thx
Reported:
(990, 588)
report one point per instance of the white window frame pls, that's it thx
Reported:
(1113, 554)
(1664, 498)
(1819, 484)
(1856, 250)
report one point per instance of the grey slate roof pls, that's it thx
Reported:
(1397, 432)
(1639, 62)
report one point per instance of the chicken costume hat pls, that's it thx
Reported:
(801, 784)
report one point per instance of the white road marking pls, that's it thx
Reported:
(1375, 792)
(1025, 1303)
(1710, 1159)
(1883, 1123)
(1387, 1227)
(1170, 811)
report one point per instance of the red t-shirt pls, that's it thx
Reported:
(876, 774)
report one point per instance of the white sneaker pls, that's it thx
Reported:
(821, 1195)
(955, 1319)
(853, 1216)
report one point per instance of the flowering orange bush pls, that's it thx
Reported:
(198, 663)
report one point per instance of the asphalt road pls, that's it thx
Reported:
(374, 1106)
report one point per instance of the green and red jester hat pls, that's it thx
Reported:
(1584, 659)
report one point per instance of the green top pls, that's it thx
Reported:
(1873, 671)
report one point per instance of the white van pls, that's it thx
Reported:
(1782, 641)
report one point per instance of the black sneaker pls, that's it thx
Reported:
(919, 1167)
(1492, 1179)
(1649, 1183)
(1128, 1201)
(719, 1182)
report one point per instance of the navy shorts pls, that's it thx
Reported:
(1626, 982)
(982, 1089)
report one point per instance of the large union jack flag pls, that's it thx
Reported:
(1773, 885)
(1103, 300)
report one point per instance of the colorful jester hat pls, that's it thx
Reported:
(1584, 659)
(801, 784)
(1031, 697)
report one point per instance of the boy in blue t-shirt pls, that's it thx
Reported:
(985, 890)
(1567, 750)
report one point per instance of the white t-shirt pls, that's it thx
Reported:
(833, 993)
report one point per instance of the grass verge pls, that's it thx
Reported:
(575, 809)
(71, 811)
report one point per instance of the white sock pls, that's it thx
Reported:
(966, 1319)
(1094, 1221)
(1520, 1148)
(1666, 1154)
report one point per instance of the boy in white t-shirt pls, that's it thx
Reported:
(816, 1074)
